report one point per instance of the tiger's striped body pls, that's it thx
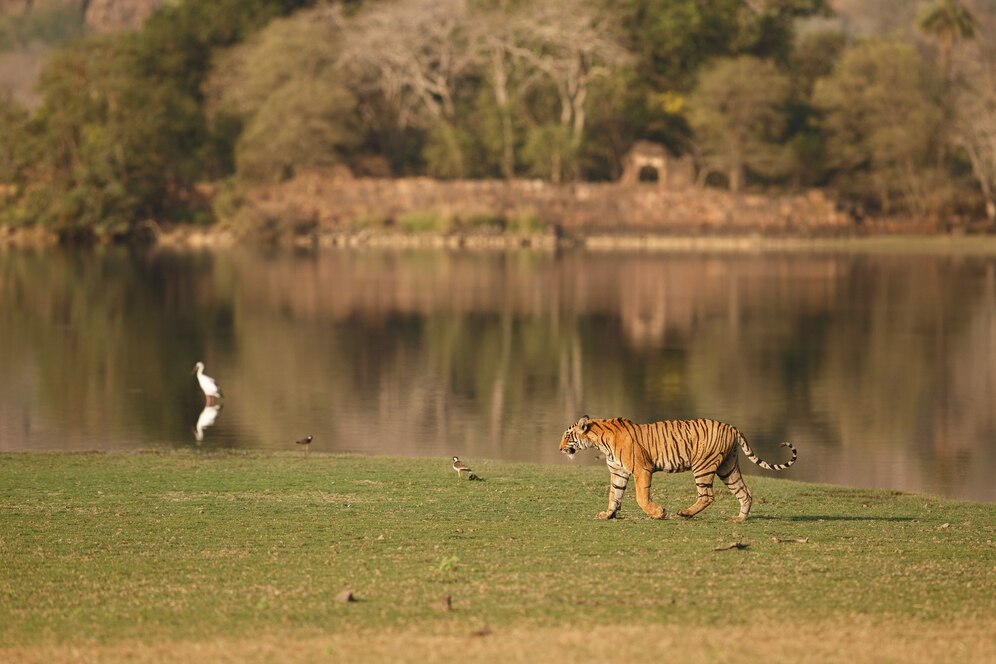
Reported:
(706, 447)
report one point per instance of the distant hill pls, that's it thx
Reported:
(106, 15)
(31, 29)
(99, 15)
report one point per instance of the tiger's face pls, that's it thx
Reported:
(575, 438)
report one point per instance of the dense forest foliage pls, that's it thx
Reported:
(895, 112)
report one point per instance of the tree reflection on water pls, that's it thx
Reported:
(880, 368)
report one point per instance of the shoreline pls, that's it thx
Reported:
(278, 454)
(223, 237)
(318, 210)
(653, 242)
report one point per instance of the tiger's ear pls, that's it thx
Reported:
(583, 424)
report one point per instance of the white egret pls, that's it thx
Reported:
(211, 389)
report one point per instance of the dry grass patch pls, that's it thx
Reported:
(852, 638)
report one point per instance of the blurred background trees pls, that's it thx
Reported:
(737, 112)
(889, 103)
(880, 121)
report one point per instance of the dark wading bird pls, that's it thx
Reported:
(306, 441)
(210, 388)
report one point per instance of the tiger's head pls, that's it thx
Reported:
(576, 437)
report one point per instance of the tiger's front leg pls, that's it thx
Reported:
(618, 479)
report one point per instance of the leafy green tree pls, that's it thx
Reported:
(14, 141)
(674, 40)
(174, 52)
(445, 151)
(307, 125)
(283, 91)
(813, 57)
(549, 151)
(121, 133)
(87, 162)
(737, 113)
(880, 124)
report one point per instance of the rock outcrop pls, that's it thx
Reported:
(100, 15)
(110, 15)
(329, 202)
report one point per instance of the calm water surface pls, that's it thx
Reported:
(880, 368)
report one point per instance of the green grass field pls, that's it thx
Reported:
(236, 557)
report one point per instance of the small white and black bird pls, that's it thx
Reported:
(460, 467)
(306, 441)
(208, 385)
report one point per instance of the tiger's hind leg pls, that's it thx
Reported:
(703, 487)
(643, 498)
(729, 472)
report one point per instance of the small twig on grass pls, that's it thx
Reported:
(794, 540)
(732, 545)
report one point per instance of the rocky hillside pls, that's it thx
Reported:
(100, 15)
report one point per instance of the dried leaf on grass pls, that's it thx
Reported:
(732, 545)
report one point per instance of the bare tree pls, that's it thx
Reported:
(414, 53)
(974, 127)
(572, 45)
(413, 56)
(494, 37)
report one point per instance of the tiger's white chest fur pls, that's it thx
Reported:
(607, 451)
(610, 458)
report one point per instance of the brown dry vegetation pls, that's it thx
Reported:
(852, 638)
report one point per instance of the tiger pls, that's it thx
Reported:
(706, 447)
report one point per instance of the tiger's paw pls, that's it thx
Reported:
(685, 514)
(605, 515)
(740, 518)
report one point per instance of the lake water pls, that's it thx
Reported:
(880, 368)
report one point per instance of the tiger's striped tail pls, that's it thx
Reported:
(764, 464)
